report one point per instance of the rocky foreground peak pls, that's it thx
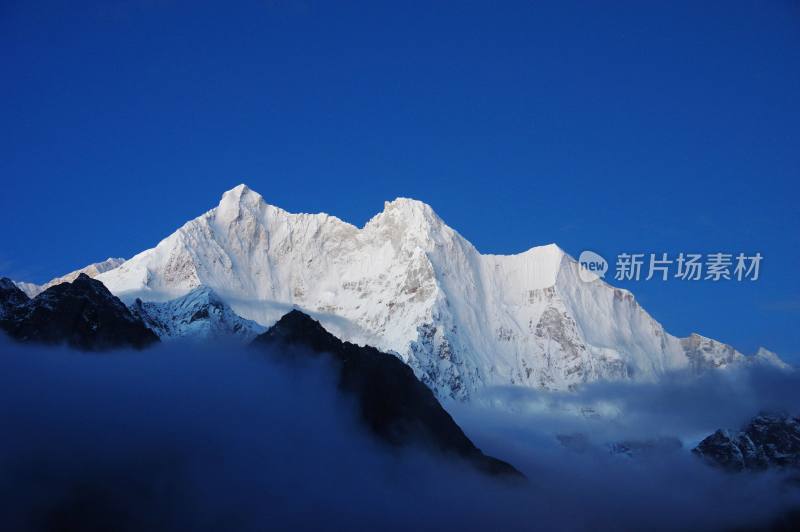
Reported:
(82, 314)
(393, 404)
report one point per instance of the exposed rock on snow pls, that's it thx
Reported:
(409, 284)
(200, 315)
(769, 440)
(705, 353)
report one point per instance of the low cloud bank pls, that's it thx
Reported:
(221, 438)
(680, 405)
(565, 442)
(216, 438)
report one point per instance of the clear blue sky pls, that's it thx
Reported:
(638, 127)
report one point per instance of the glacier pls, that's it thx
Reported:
(410, 285)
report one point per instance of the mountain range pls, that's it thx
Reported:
(82, 314)
(407, 284)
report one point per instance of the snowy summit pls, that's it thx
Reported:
(408, 284)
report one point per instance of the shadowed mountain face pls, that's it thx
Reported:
(768, 441)
(393, 403)
(11, 298)
(82, 314)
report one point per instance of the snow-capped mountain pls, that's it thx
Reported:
(705, 353)
(200, 314)
(409, 284)
(92, 270)
(767, 357)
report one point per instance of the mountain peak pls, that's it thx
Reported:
(295, 318)
(394, 405)
(82, 314)
(238, 200)
(296, 326)
(406, 217)
(406, 204)
(11, 296)
(199, 315)
(768, 357)
(6, 283)
(240, 193)
(82, 284)
(407, 283)
(409, 207)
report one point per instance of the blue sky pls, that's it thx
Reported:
(638, 128)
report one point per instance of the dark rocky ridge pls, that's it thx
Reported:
(394, 405)
(768, 441)
(11, 297)
(82, 314)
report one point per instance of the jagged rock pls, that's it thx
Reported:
(769, 440)
(82, 314)
(394, 405)
(199, 315)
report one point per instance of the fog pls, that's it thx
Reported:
(220, 437)
(563, 442)
(679, 405)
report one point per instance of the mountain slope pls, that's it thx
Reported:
(11, 298)
(394, 405)
(82, 314)
(409, 284)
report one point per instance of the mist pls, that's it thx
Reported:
(679, 405)
(565, 442)
(222, 437)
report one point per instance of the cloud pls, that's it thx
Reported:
(562, 441)
(179, 437)
(183, 437)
